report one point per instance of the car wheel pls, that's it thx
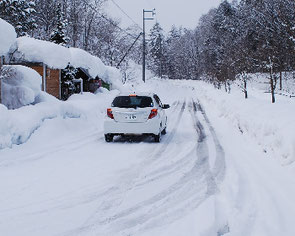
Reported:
(157, 138)
(164, 131)
(108, 138)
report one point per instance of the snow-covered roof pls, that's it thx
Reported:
(82, 59)
(7, 37)
(33, 50)
(58, 57)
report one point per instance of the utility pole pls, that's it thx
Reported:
(1, 63)
(153, 12)
(161, 70)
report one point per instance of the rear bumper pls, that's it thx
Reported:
(151, 126)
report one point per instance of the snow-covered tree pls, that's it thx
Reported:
(156, 50)
(67, 85)
(19, 13)
(58, 35)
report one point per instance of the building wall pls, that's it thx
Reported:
(39, 69)
(52, 80)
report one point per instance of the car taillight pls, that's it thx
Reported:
(110, 113)
(153, 113)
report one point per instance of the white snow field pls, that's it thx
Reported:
(225, 167)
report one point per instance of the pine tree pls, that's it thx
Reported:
(19, 13)
(156, 49)
(67, 84)
(58, 35)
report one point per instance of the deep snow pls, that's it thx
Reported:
(20, 86)
(7, 37)
(59, 57)
(215, 172)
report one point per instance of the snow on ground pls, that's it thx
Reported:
(270, 125)
(20, 86)
(7, 37)
(214, 173)
(17, 126)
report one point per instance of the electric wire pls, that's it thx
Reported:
(116, 4)
(110, 21)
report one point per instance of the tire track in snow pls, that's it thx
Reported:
(191, 189)
(217, 174)
(114, 196)
(187, 193)
(219, 165)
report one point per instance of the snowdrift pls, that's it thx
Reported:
(17, 126)
(270, 125)
(7, 37)
(20, 86)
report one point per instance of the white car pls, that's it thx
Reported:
(136, 114)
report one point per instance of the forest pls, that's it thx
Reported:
(228, 43)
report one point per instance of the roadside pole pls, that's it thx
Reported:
(153, 12)
(1, 63)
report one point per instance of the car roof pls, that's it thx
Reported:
(137, 94)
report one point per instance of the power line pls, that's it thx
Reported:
(110, 21)
(126, 14)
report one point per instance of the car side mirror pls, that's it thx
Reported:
(166, 106)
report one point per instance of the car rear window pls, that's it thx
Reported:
(132, 101)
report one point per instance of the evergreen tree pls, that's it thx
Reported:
(58, 35)
(19, 13)
(156, 50)
(172, 52)
(67, 85)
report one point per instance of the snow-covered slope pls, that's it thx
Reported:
(270, 125)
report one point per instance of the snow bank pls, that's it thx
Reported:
(7, 37)
(20, 86)
(17, 126)
(59, 57)
(270, 125)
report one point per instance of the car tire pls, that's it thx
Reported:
(164, 131)
(157, 138)
(108, 138)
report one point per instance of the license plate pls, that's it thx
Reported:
(131, 117)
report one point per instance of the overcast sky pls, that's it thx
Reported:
(169, 12)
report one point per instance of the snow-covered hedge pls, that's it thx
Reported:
(20, 86)
(7, 37)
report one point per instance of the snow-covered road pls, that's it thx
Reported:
(204, 178)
